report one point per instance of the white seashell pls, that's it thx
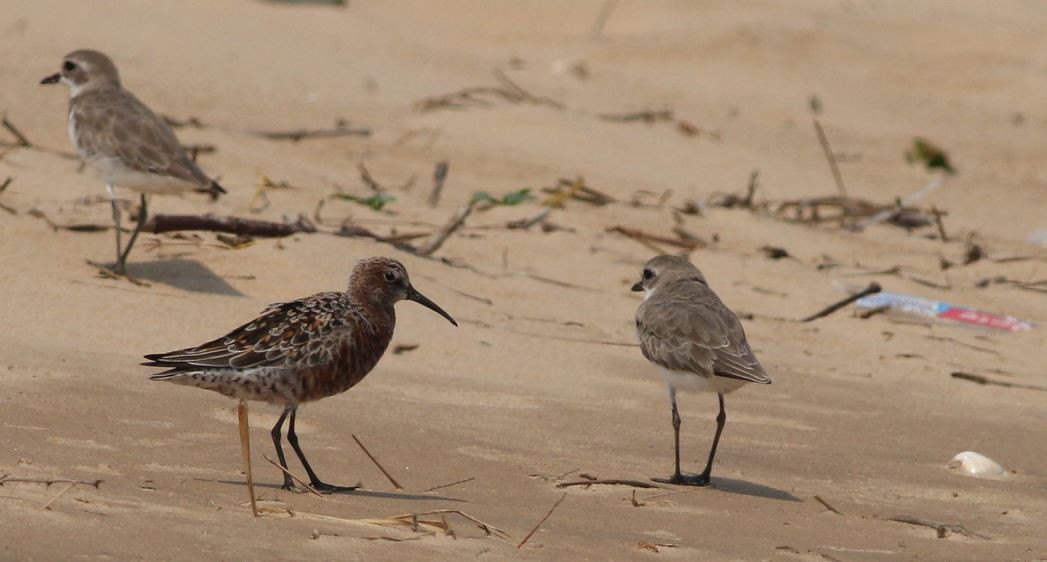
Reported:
(976, 464)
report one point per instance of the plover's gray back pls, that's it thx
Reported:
(130, 146)
(695, 340)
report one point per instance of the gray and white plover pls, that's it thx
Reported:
(122, 140)
(695, 342)
(302, 350)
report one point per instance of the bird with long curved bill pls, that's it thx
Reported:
(302, 350)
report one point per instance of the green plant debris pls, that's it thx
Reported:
(509, 199)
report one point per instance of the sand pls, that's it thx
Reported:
(522, 396)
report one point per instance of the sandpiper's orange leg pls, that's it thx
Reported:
(245, 447)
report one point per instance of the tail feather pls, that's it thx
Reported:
(214, 190)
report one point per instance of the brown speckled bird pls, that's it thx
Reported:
(694, 340)
(302, 350)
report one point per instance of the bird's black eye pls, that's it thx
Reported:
(648, 274)
(69, 66)
(390, 276)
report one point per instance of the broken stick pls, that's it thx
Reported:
(824, 141)
(22, 140)
(437, 240)
(245, 448)
(873, 287)
(231, 225)
(378, 464)
(439, 175)
(536, 527)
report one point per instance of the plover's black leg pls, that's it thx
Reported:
(288, 484)
(677, 477)
(116, 222)
(143, 214)
(314, 481)
(721, 420)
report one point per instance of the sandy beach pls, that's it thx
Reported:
(668, 107)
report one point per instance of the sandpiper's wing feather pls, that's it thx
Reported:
(687, 328)
(298, 334)
(113, 123)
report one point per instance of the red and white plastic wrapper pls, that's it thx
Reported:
(919, 306)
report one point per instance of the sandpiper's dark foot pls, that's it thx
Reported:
(699, 480)
(324, 488)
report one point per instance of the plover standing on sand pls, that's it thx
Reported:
(694, 340)
(302, 350)
(125, 143)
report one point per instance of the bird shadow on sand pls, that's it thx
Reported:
(746, 488)
(358, 493)
(181, 273)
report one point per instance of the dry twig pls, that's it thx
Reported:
(610, 482)
(341, 129)
(231, 225)
(22, 140)
(378, 464)
(981, 379)
(301, 482)
(455, 483)
(871, 289)
(535, 529)
(943, 529)
(439, 176)
(827, 505)
(437, 239)
(824, 141)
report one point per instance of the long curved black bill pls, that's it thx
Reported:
(414, 295)
(52, 79)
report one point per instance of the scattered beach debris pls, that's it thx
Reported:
(654, 546)
(510, 199)
(376, 201)
(943, 529)
(824, 141)
(378, 464)
(872, 289)
(455, 483)
(341, 129)
(229, 224)
(982, 379)
(911, 305)
(482, 96)
(439, 177)
(19, 136)
(976, 464)
(576, 189)
(536, 527)
(930, 155)
(3, 187)
(609, 482)
(827, 505)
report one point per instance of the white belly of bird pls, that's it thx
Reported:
(113, 171)
(685, 380)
